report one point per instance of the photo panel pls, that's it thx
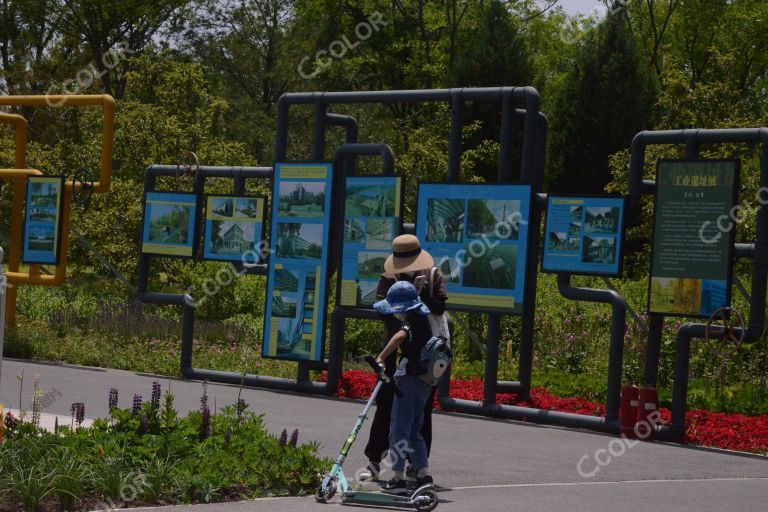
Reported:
(169, 227)
(372, 206)
(478, 236)
(43, 220)
(297, 278)
(234, 228)
(583, 235)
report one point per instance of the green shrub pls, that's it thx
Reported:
(154, 457)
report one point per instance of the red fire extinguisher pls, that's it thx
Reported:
(630, 399)
(648, 415)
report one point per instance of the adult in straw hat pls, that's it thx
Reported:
(408, 262)
(407, 256)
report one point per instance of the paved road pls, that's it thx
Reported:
(489, 464)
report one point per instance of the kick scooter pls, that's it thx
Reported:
(423, 499)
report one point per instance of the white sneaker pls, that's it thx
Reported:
(371, 472)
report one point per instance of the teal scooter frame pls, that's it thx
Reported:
(423, 499)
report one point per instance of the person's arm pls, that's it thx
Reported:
(391, 323)
(394, 342)
(435, 301)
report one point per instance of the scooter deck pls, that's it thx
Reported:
(382, 499)
(377, 498)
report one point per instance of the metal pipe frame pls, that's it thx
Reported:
(345, 161)
(105, 101)
(534, 145)
(531, 172)
(3, 296)
(187, 302)
(239, 175)
(34, 277)
(757, 251)
(616, 350)
(19, 192)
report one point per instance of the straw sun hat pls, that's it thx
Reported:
(407, 256)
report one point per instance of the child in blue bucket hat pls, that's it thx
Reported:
(405, 438)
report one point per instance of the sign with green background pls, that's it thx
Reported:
(691, 261)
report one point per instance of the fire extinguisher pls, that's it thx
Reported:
(648, 415)
(630, 400)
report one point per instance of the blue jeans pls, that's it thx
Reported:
(405, 437)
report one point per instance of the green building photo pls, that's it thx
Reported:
(283, 307)
(42, 238)
(496, 268)
(370, 201)
(232, 237)
(366, 293)
(41, 214)
(44, 194)
(286, 280)
(379, 234)
(556, 241)
(602, 220)
(445, 220)
(449, 269)
(169, 223)
(301, 199)
(599, 249)
(223, 206)
(289, 334)
(353, 230)
(370, 264)
(299, 241)
(248, 208)
(493, 219)
(576, 213)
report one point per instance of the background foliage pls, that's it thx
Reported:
(205, 75)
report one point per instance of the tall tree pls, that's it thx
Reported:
(250, 55)
(27, 29)
(608, 96)
(102, 25)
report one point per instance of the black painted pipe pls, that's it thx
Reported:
(513, 412)
(618, 329)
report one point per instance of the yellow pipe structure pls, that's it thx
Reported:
(20, 124)
(60, 275)
(105, 101)
(19, 176)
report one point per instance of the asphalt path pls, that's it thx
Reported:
(483, 464)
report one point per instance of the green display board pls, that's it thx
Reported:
(691, 261)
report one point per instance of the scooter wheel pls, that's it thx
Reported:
(426, 501)
(325, 493)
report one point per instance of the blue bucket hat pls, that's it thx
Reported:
(401, 298)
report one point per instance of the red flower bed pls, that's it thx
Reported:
(704, 428)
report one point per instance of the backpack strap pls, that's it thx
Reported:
(432, 282)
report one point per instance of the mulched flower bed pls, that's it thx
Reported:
(703, 428)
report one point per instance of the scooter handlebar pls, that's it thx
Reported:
(378, 369)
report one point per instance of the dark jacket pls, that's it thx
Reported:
(435, 301)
